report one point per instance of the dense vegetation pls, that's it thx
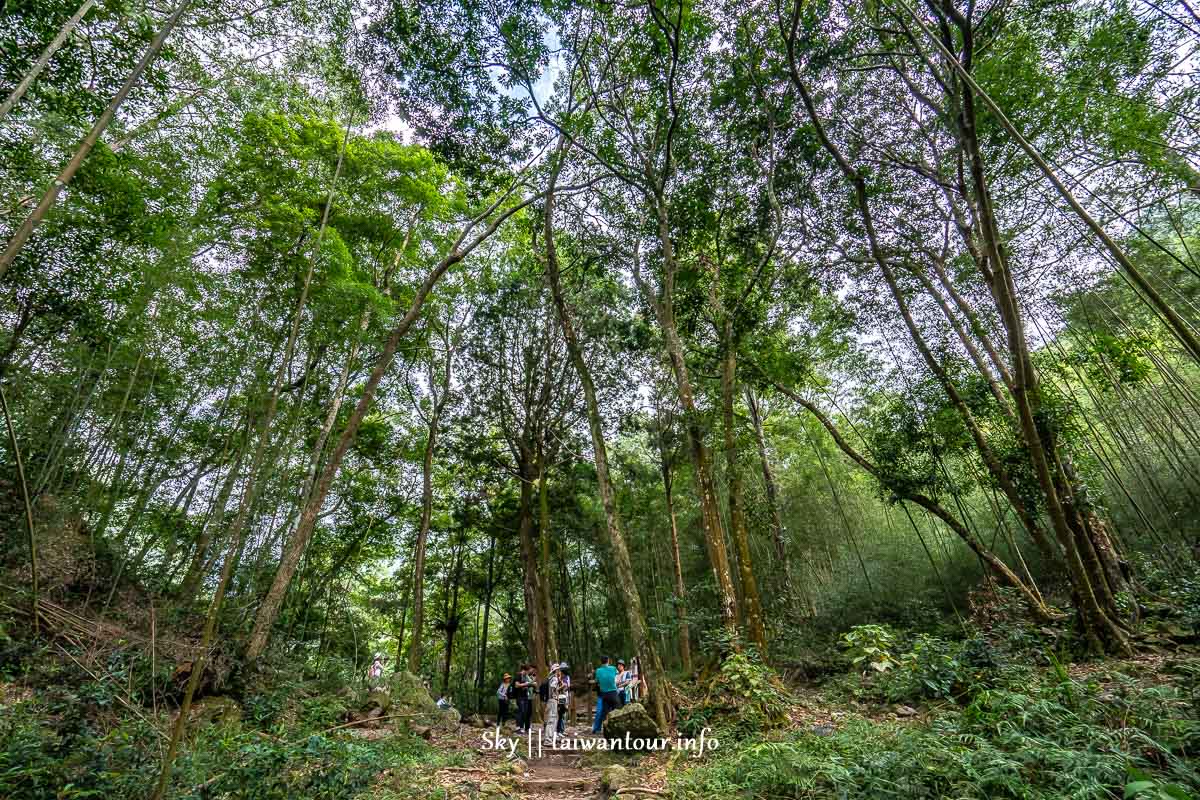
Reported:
(840, 360)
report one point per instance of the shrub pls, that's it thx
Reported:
(744, 696)
(871, 647)
(1009, 742)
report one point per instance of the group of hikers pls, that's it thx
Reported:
(615, 686)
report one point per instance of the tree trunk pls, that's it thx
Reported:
(710, 513)
(685, 641)
(296, 546)
(481, 681)
(44, 59)
(452, 618)
(531, 580)
(615, 535)
(415, 650)
(1096, 605)
(544, 571)
(752, 607)
(195, 572)
(772, 489)
(1175, 323)
(461, 248)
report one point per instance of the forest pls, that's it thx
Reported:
(838, 362)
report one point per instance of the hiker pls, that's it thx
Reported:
(599, 704)
(635, 682)
(375, 673)
(524, 687)
(444, 703)
(552, 687)
(606, 685)
(502, 699)
(564, 696)
(623, 679)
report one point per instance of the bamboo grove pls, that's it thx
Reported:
(493, 327)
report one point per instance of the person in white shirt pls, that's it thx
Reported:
(564, 696)
(623, 680)
(375, 673)
(555, 688)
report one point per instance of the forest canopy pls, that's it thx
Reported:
(777, 345)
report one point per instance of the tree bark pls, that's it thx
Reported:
(614, 532)
(710, 514)
(544, 571)
(685, 643)
(415, 650)
(530, 578)
(752, 607)
(44, 59)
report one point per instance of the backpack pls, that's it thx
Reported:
(544, 691)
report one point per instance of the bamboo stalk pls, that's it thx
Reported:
(33, 564)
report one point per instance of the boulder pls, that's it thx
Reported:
(410, 695)
(220, 711)
(634, 720)
(448, 719)
(377, 703)
(613, 778)
(490, 789)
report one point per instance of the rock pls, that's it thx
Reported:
(409, 694)
(448, 719)
(905, 711)
(633, 720)
(220, 711)
(475, 721)
(490, 789)
(613, 778)
(823, 730)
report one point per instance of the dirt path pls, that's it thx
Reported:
(527, 773)
(559, 775)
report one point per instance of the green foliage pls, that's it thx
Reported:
(745, 696)
(1021, 741)
(871, 647)
(75, 743)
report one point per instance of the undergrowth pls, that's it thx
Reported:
(1022, 738)
(73, 736)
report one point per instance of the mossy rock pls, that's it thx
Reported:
(377, 699)
(633, 720)
(409, 694)
(448, 719)
(613, 778)
(221, 711)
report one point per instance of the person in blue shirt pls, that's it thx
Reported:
(606, 686)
